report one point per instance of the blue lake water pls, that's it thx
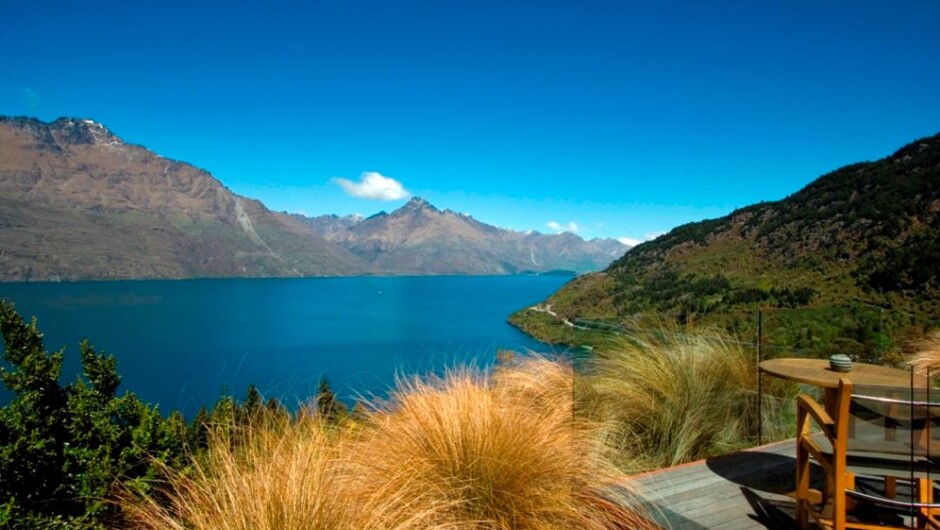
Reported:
(183, 343)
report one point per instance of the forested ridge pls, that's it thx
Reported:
(857, 248)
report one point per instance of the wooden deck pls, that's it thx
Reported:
(740, 491)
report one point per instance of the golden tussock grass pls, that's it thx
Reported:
(465, 451)
(271, 476)
(927, 356)
(673, 397)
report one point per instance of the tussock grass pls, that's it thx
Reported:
(673, 397)
(926, 358)
(273, 475)
(469, 450)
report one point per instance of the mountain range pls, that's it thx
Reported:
(77, 202)
(855, 255)
(421, 239)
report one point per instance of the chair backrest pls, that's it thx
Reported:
(831, 420)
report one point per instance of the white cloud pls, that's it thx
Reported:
(374, 186)
(632, 241)
(559, 228)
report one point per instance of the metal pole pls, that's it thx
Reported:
(760, 389)
(914, 484)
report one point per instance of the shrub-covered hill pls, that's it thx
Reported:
(858, 249)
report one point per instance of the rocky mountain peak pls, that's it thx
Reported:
(417, 203)
(75, 131)
(64, 131)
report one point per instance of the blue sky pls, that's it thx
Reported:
(624, 118)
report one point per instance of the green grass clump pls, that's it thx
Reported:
(672, 397)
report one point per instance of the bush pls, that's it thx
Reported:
(63, 448)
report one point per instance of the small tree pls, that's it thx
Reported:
(252, 406)
(32, 426)
(199, 430)
(328, 406)
(63, 448)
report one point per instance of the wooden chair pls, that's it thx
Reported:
(880, 434)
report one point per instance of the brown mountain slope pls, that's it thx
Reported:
(420, 239)
(77, 202)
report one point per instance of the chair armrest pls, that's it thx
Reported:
(814, 409)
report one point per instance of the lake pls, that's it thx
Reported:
(182, 343)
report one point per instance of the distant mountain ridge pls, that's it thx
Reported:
(422, 239)
(863, 236)
(77, 202)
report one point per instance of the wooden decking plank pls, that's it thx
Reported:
(705, 478)
(714, 506)
(743, 464)
(709, 511)
(670, 486)
(742, 491)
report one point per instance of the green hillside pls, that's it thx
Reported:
(849, 263)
